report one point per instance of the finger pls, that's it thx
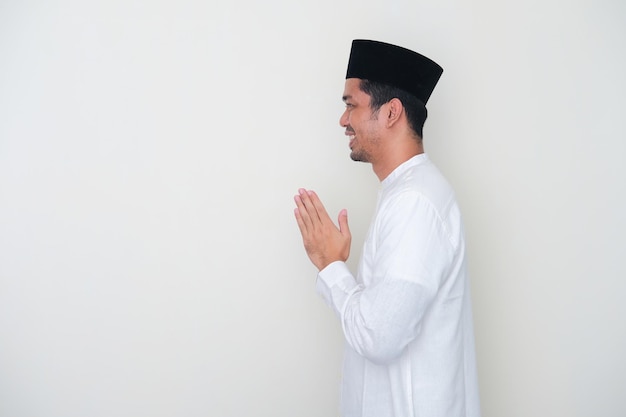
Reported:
(319, 207)
(302, 215)
(309, 205)
(301, 224)
(343, 223)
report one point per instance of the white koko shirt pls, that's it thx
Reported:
(407, 315)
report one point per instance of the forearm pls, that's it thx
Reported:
(377, 322)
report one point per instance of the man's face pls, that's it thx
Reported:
(360, 122)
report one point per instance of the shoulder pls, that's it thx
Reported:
(421, 182)
(421, 193)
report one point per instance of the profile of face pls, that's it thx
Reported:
(360, 122)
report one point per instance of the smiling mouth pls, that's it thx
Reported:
(351, 135)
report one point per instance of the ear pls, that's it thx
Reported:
(394, 111)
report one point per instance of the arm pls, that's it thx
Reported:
(411, 255)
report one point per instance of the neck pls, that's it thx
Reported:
(394, 157)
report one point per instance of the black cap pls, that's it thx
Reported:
(395, 66)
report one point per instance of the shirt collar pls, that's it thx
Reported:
(403, 167)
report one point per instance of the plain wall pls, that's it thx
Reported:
(150, 264)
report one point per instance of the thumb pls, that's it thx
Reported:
(343, 223)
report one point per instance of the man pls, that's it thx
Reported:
(406, 316)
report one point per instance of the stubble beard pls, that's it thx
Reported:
(359, 156)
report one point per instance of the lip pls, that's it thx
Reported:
(351, 134)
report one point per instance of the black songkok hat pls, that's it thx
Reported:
(395, 66)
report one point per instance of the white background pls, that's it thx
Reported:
(150, 264)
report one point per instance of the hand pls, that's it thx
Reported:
(323, 241)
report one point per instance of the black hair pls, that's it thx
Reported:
(380, 94)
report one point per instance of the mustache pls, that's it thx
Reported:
(349, 130)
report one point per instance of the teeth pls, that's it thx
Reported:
(351, 137)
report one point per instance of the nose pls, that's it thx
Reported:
(343, 120)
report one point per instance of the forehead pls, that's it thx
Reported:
(352, 91)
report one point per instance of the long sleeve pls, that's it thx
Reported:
(404, 261)
(406, 314)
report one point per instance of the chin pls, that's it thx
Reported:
(358, 157)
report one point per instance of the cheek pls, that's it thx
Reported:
(356, 122)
